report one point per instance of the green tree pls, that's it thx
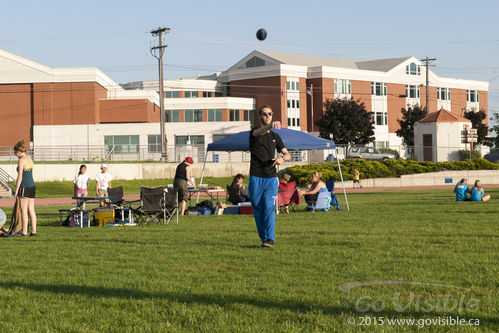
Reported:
(409, 117)
(348, 120)
(495, 120)
(482, 130)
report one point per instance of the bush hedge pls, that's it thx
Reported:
(387, 168)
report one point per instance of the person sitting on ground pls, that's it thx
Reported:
(317, 186)
(237, 192)
(477, 193)
(461, 190)
(284, 186)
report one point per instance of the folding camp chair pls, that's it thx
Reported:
(288, 198)
(157, 205)
(119, 204)
(323, 202)
(334, 200)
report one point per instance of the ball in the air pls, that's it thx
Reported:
(261, 34)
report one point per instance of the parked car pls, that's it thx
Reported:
(368, 153)
(493, 156)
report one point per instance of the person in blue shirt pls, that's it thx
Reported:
(477, 193)
(461, 190)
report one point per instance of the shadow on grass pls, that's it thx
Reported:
(222, 300)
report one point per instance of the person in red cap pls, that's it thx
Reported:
(182, 177)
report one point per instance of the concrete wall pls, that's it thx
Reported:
(51, 172)
(486, 177)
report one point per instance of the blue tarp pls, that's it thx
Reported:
(295, 140)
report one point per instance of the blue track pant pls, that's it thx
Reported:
(262, 194)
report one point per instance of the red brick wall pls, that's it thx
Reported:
(67, 103)
(15, 114)
(395, 105)
(433, 104)
(265, 91)
(484, 104)
(361, 90)
(458, 100)
(128, 111)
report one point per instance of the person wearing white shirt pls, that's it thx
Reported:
(81, 181)
(103, 182)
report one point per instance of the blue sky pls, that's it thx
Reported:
(210, 36)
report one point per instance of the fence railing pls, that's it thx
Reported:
(6, 181)
(151, 153)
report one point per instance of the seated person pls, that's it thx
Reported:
(461, 189)
(286, 186)
(477, 193)
(237, 193)
(317, 186)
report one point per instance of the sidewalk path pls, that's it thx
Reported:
(61, 201)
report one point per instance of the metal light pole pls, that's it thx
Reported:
(311, 93)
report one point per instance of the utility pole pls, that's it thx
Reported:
(427, 65)
(157, 52)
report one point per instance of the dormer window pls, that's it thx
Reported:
(254, 62)
(412, 69)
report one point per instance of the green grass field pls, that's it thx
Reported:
(209, 274)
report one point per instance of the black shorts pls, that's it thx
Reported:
(27, 192)
(356, 181)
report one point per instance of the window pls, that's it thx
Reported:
(289, 122)
(123, 144)
(381, 144)
(297, 121)
(172, 94)
(172, 116)
(289, 103)
(190, 94)
(249, 115)
(342, 86)
(412, 69)
(193, 116)
(297, 103)
(386, 118)
(208, 93)
(472, 96)
(195, 139)
(254, 62)
(292, 85)
(379, 118)
(293, 104)
(378, 88)
(412, 91)
(154, 143)
(215, 115)
(443, 94)
(234, 115)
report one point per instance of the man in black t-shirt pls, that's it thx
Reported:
(263, 181)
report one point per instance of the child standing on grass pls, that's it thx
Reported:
(477, 193)
(356, 178)
(81, 182)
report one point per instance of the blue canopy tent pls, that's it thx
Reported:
(293, 140)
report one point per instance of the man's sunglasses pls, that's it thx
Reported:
(267, 113)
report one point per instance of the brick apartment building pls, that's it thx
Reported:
(82, 106)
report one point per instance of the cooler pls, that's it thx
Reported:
(103, 215)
